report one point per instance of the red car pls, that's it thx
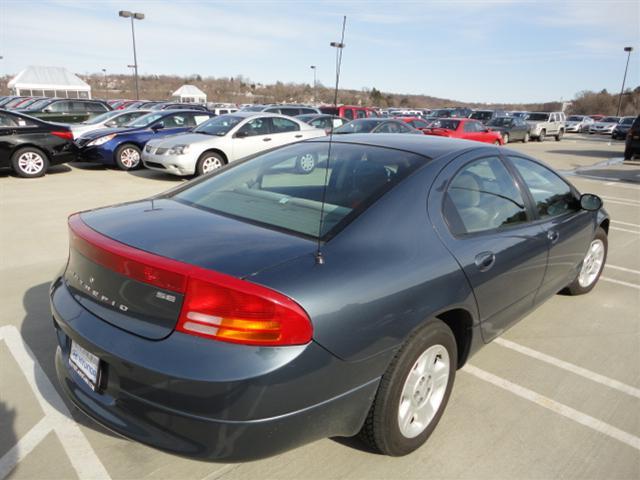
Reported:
(464, 128)
(350, 112)
(416, 122)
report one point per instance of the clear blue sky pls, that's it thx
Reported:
(467, 50)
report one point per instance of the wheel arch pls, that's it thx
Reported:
(460, 321)
(604, 224)
(218, 151)
(29, 145)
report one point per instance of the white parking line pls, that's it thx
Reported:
(618, 185)
(27, 443)
(623, 269)
(618, 202)
(618, 229)
(57, 416)
(620, 282)
(570, 367)
(628, 224)
(631, 201)
(557, 407)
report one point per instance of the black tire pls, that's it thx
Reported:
(209, 162)
(575, 287)
(505, 138)
(543, 134)
(628, 154)
(306, 163)
(381, 429)
(526, 138)
(126, 157)
(559, 135)
(29, 162)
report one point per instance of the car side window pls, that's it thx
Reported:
(385, 128)
(93, 107)
(483, 196)
(469, 127)
(402, 128)
(551, 194)
(361, 114)
(175, 121)
(198, 118)
(257, 126)
(8, 121)
(321, 123)
(60, 107)
(282, 125)
(348, 114)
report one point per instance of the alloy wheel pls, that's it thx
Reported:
(592, 263)
(130, 157)
(31, 163)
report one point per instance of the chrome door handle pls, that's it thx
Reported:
(553, 236)
(485, 260)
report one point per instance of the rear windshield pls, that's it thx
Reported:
(283, 189)
(575, 118)
(610, 120)
(538, 117)
(501, 122)
(481, 115)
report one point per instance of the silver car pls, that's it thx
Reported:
(225, 139)
(578, 124)
(606, 125)
(112, 119)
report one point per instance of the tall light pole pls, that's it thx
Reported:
(106, 92)
(133, 16)
(314, 68)
(624, 79)
(1, 58)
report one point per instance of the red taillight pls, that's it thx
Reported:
(66, 135)
(215, 305)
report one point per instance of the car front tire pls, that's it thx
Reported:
(128, 157)
(29, 162)
(592, 265)
(413, 392)
(209, 162)
(559, 135)
(526, 138)
(543, 134)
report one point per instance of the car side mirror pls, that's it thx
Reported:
(157, 126)
(240, 134)
(590, 202)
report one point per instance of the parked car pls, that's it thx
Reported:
(417, 122)
(511, 129)
(455, 112)
(518, 114)
(375, 125)
(30, 146)
(597, 117)
(578, 124)
(545, 124)
(350, 112)
(222, 110)
(485, 116)
(225, 139)
(179, 106)
(69, 110)
(240, 315)
(112, 119)
(605, 125)
(622, 128)
(123, 146)
(16, 103)
(465, 129)
(6, 100)
(632, 142)
(290, 110)
(323, 121)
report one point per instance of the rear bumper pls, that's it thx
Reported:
(205, 399)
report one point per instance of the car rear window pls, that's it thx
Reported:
(284, 189)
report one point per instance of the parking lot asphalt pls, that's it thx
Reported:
(558, 396)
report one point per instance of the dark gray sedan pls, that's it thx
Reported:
(512, 129)
(259, 308)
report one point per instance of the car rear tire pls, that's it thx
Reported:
(413, 392)
(592, 265)
(128, 157)
(209, 162)
(29, 162)
(526, 138)
(559, 135)
(543, 134)
(505, 138)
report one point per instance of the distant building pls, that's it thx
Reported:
(189, 94)
(49, 82)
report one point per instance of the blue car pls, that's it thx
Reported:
(122, 147)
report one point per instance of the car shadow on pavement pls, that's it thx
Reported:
(88, 166)
(8, 439)
(589, 153)
(38, 332)
(53, 170)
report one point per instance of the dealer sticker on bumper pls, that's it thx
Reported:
(86, 364)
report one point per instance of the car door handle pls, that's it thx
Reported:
(299, 136)
(266, 139)
(553, 236)
(485, 260)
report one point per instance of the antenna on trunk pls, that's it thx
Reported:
(339, 46)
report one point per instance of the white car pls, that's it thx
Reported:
(225, 139)
(578, 123)
(112, 119)
(606, 125)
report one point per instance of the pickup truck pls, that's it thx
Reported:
(545, 124)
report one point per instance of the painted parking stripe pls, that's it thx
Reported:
(557, 407)
(618, 229)
(632, 201)
(618, 185)
(618, 202)
(620, 282)
(628, 224)
(24, 447)
(623, 269)
(570, 367)
(81, 455)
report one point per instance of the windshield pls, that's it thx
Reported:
(255, 108)
(538, 117)
(627, 120)
(219, 126)
(145, 120)
(39, 104)
(575, 118)
(447, 124)
(610, 120)
(501, 122)
(358, 126)
(102, 118)
(271, 190)
(481, 115)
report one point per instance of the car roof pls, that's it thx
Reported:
(428, 146)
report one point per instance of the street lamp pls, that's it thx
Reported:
(624, 79)
(106, 92)
(133, 16)
(339, 46)
(314, 68)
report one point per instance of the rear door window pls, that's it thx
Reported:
(257, 126)
(348, 113)
(282, 125)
